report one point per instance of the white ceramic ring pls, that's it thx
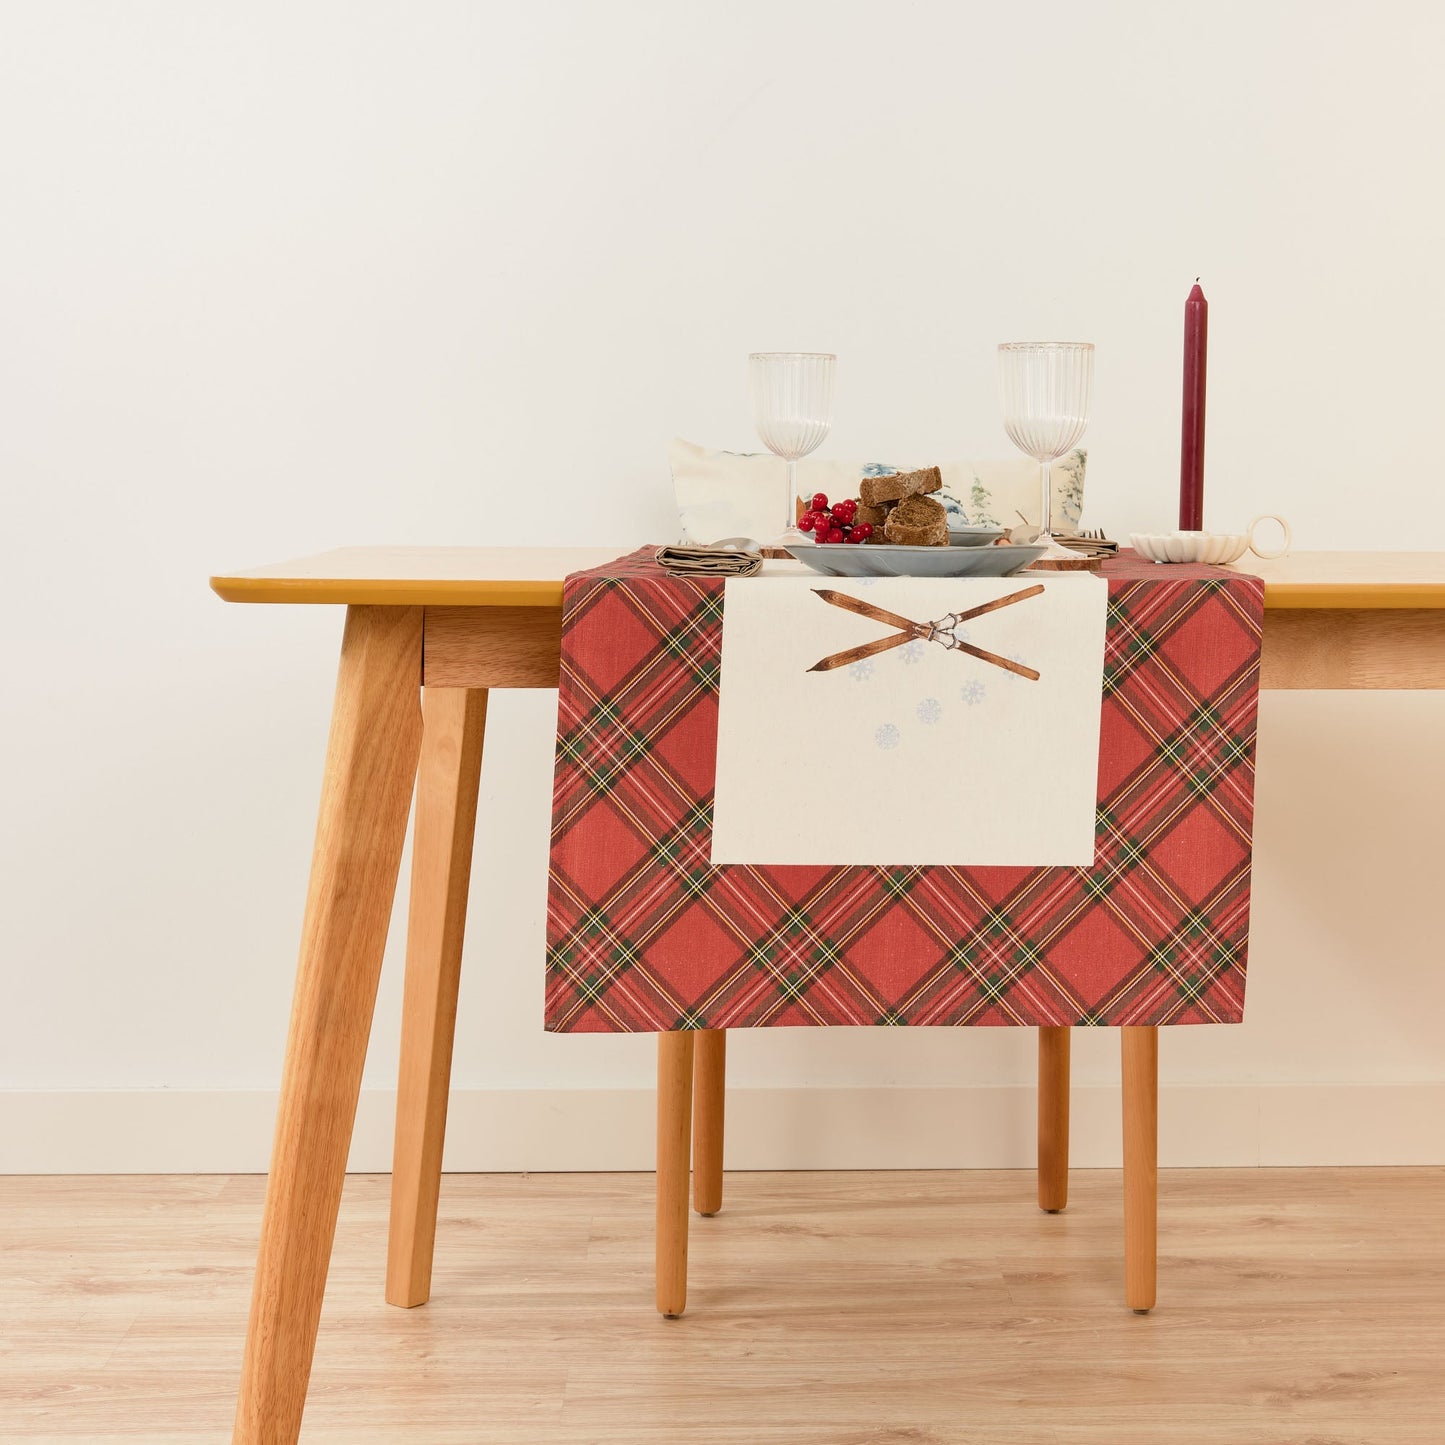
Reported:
(1282, 548)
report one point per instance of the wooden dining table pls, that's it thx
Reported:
(429, 631)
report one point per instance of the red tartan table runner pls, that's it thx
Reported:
(644, 934)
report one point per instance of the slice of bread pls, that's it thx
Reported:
(873, 491)
(917, 522)
(875, 517)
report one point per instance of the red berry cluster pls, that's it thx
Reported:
(835, 523)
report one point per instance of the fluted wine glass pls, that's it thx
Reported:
(793, 411)
(1044, 389)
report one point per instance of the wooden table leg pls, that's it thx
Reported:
(1140, 1048)
(454, 720)
(709, 1093)
(674, 1128)
(1054, 1118)
(371, 763)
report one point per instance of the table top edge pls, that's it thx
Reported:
(547, 592)
(388, 592)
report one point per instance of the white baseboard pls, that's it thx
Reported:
(165, 1131)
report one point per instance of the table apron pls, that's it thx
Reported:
(1335, 649)
(1326, 649)
(491, 646)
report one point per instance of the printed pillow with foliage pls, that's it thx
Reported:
(741, 494)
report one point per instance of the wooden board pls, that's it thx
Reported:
(532, 577)
(886, 1308)
(1347, 648)
(1350, 579)
(492, 646)
(438, 576)
(1353, 648)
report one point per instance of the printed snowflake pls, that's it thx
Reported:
(861, 671)
(973, 692)
(930, 710)
(887, 736)
(910, 652)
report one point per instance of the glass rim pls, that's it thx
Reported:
(794, 355)
(1045, 345)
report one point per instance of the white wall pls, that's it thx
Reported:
(279, 277)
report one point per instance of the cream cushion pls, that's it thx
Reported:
(740, 494)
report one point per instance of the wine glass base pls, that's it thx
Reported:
(1056, 552)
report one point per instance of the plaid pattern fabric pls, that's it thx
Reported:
(644, 934)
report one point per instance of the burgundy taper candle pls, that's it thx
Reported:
(1191, 444)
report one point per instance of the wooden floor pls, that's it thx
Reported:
(1297, 1307)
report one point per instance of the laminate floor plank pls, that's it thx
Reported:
(1297, 1307)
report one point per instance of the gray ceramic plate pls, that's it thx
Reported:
(845, 559)
(971, 536)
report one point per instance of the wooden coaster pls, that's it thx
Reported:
(1066, 564)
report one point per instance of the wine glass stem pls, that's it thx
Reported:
(790, 512)
(1046, 498)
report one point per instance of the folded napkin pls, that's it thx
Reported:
(1094, 545)
(709, 561)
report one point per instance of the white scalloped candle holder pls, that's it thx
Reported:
(1216, 549)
